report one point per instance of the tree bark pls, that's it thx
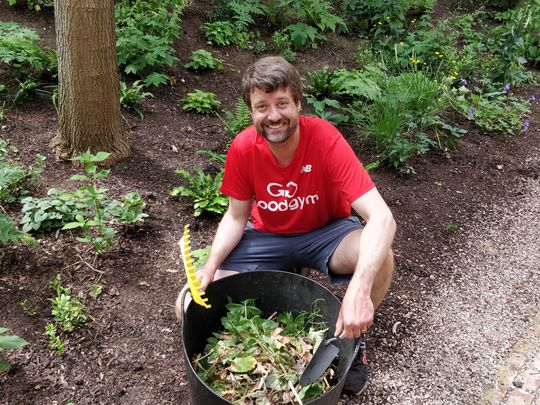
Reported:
(88, 83)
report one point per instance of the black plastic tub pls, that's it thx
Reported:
(273, 291)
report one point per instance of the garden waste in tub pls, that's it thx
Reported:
(254, 357)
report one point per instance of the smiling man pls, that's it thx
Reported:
(292, 182)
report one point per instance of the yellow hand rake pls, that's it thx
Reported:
(193, 282)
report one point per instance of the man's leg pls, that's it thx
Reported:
(344, 260)
(187, 300)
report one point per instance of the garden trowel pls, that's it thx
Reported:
(320, 361)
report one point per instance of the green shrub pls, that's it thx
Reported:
(87, 208)
(145, 31)
(204, 190)
(19, 49)
(495, 111)
(35, 5)
(200, 101)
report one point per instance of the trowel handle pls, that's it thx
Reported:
(335, 338)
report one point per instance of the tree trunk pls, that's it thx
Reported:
(89, 100)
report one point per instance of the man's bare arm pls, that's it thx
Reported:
(228, 234)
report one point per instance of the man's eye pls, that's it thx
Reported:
(283, 104)
(260, 108)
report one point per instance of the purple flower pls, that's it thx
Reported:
(463, 82)
(533, 99)
(471, 112)
(525, 125)
(507, 87)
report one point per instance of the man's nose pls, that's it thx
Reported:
(274, 114)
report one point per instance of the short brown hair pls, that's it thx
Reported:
(271, 73)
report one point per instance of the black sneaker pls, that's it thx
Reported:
(356, 379)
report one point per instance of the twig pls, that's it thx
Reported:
(295, 393)
(89, 265)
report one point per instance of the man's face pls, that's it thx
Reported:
(274, 114)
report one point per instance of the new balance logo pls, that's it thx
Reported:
(305, 169)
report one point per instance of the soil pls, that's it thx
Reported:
(131, 352)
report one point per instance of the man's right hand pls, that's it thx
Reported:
(206, 275)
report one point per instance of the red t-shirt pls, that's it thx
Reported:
(318, 186)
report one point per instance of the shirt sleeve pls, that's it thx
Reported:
(348, 174)
(237, 177)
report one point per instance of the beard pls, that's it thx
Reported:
(277, 137)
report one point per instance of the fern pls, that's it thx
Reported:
(240, 120)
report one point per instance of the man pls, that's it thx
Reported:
(298, 179)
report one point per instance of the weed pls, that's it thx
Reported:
(28, 310)
(67, 310)
(452, 227)
(95, 290)
(54, 340)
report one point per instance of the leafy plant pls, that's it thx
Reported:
(54, 340)
(204, 190)
(14, 178)
(67, 310)
(200, 101)
(131, 96)
(35, 5)
(28, 310)
(239, 120)
(320, 109)
(493, 111)
(281, 41)
(203, 60)
(51, 212)
(8, 342)
(225, 33)
(10, 233)
(216, 157)
(95, 290)
(395, 122)
(87, 208)
(145, 31)
(19, 49)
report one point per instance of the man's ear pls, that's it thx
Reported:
(299, 105)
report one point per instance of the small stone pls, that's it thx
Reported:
(518, 382)
(499, 167)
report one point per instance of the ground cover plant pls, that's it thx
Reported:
(468, 143)
(256, 359)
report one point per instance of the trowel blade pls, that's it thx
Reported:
(321, 360)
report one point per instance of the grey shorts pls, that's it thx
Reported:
(268, 251)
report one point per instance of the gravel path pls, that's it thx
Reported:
(469, 327)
